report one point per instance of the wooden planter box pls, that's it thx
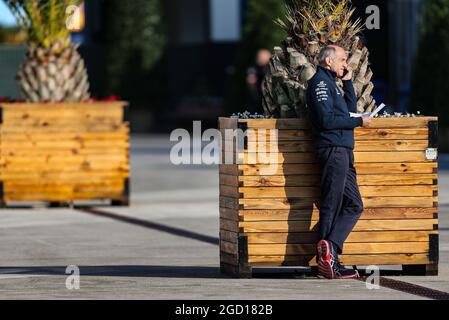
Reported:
(61, 153)
(270, 219)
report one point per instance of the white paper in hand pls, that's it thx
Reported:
(378, 109)
(359, 115)
(367, 114)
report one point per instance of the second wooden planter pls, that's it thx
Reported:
(61, 153)
(270, 218)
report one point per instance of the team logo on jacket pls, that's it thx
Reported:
(321, 91)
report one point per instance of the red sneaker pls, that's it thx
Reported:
(325, 260)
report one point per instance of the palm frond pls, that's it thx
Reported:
(332, 18)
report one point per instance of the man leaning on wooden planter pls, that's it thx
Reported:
(333, 130)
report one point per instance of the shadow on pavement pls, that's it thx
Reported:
(120, 271)
(152, 225)
(196, 272)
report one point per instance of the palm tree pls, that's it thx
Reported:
(311, 25)
(53, 70)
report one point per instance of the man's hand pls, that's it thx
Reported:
(348, 75)
(367, 121)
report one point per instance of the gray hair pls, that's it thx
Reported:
(326, 52)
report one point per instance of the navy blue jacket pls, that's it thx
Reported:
(329, 110)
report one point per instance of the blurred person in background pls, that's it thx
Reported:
(254, 78)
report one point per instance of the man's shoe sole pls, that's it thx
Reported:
(324, 260)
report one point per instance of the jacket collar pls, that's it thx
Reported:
(329, 73)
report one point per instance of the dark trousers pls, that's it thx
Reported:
(341, 204)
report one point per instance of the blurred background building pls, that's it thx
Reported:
(184, 60)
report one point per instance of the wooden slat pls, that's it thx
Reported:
(228, 191)
(228, 258)
(403, 156)
(63, 176)
(362, 168)
(416, 122)
(308, 146)
(27, 126)
(392, 168)
(61, 155)
(62, 107)
(92, 164)
(11, 145)
(30, 115)
(21, 168)
(360, 134)
(360, 260)
(354, 237)
(369, 202)
(275, 158)
(314, 180)
(279, 192)
(398, 191)
(349, 248)
(283, 124)
(395, 202)
(391, 145)
(62, 121)
(63, 190)
(229, 225)
(313, 214)
(282, 135)
(304, 180)
(395, 134)
(360, 157)
(229, 169)
(258, 169)
(229, 214)
(227, 202)
(228, 247)
(80, 186)
(65, 128)
(228, 180)
(281, 146)
(278, 203)
(227, 123)
(45, 159)
(228, 236)
(283, 237)
(362, 225)
(397, 179)
(312, 192)
(62, 196)
(64, 136)
(278, 123)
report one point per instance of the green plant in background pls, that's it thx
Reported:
(312, 25)
(430, 85)
(53, 70)
(259, 32)
(135, 42)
